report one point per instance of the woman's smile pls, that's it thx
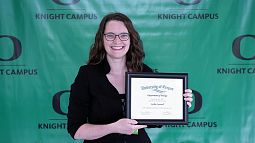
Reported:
(117, 48)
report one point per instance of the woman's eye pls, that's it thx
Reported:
(124, 36)
(110, 36)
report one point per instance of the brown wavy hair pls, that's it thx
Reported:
(135, 54)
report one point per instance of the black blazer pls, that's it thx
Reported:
(95, 100)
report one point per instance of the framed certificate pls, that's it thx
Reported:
(156, 98)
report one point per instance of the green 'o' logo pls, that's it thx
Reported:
(183, 3)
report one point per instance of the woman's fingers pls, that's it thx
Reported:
(188, 97)
(189, 104)
(128, 126)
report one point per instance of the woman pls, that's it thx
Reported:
(95, 111)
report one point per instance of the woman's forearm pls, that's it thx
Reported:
(91, 131)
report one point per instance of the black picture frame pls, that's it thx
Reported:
(133, 79)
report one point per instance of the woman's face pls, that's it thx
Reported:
(116, 49)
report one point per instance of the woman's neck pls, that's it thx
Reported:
(118, 66)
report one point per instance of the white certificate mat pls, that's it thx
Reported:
(156, 98)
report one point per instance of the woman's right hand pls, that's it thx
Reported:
(122, 126)
(126, 126)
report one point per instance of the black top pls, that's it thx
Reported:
(95, 100)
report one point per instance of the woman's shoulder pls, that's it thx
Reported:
(92, 69)
(146, 68)
(87, 67)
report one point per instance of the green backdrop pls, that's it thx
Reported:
(44, 42)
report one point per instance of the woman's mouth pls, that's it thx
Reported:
(117, 48)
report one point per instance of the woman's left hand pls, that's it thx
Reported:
(188, 97)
